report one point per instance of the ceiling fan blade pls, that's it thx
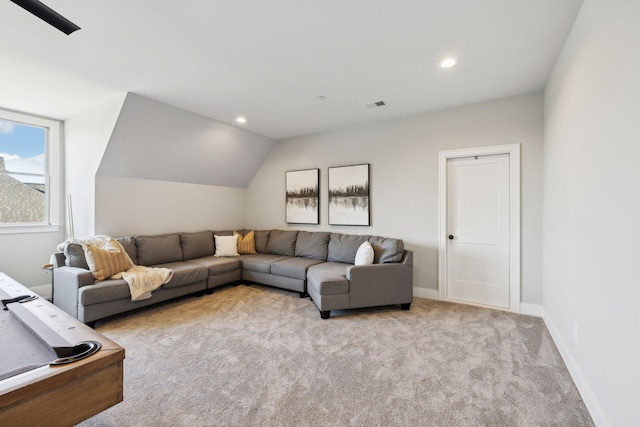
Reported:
(48, 15)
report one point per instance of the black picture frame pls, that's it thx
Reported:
(349, 195)
(302, 196)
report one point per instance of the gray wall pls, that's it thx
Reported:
(403, 154)
(135, 165)
(128, 206)
(153, 140)
(86, 138)
(22, 256)
(592, 208)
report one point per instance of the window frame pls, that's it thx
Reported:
(53, 174)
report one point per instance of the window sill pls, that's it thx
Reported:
(35, 228)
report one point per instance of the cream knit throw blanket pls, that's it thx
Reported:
(141, 280)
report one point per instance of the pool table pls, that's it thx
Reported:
(54, 370)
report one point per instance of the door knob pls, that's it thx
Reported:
(450, 236)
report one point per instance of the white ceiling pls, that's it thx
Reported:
(269, 60)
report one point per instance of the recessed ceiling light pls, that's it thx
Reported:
(449, 62)
(241, 120)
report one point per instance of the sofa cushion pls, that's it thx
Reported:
(129, 245)
(282, 242)
(196, 245)
(246, 243)
(296, 268)
(262, 240)
(104, 291)
(328, 278)
(364, 256)
(261, 263)
(217, 265)
(184, 273)
(386, 249)
(158, 249)
(343, 247)
(226, 245)
(74, 256)
(314, 245)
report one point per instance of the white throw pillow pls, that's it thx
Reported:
(364, 256)
(226, 245)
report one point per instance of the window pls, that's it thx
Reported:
(29, 173)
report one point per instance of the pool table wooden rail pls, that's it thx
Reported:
(61, 395)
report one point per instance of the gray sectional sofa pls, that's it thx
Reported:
(317, 264)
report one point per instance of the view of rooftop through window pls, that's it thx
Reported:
(22, 173)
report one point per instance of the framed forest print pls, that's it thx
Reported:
(349, 195)
(302, 196)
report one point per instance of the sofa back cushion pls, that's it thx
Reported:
(386, 250)
(313, 245)
(129, 245)
(74, 256)
(262, 240)
(196, 245)
(343, 247)
(282, 242)
(159, 249)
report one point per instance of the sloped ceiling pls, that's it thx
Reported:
(270, 60)
(153, 140)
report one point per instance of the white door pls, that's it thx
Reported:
(478, 230)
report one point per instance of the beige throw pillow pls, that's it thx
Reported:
(108, 261)
(226, 245)
(246, 244)
(364, 255)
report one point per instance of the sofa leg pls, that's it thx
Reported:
(406, 306)
(208, 291)
(303, 294)
(325, 314)
(92, 324)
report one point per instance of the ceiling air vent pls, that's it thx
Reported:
(375, 104)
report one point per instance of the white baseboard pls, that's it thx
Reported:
(579, 379)
(425, 293)
(531, 309)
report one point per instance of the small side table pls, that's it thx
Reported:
(50, 268)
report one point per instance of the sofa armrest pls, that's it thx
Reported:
(380, 284)
(407, 258)
(66, 283)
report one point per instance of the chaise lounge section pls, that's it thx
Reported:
(316, 264)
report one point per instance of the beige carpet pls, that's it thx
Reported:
(258, 356)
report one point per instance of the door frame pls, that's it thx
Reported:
(513, 150)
